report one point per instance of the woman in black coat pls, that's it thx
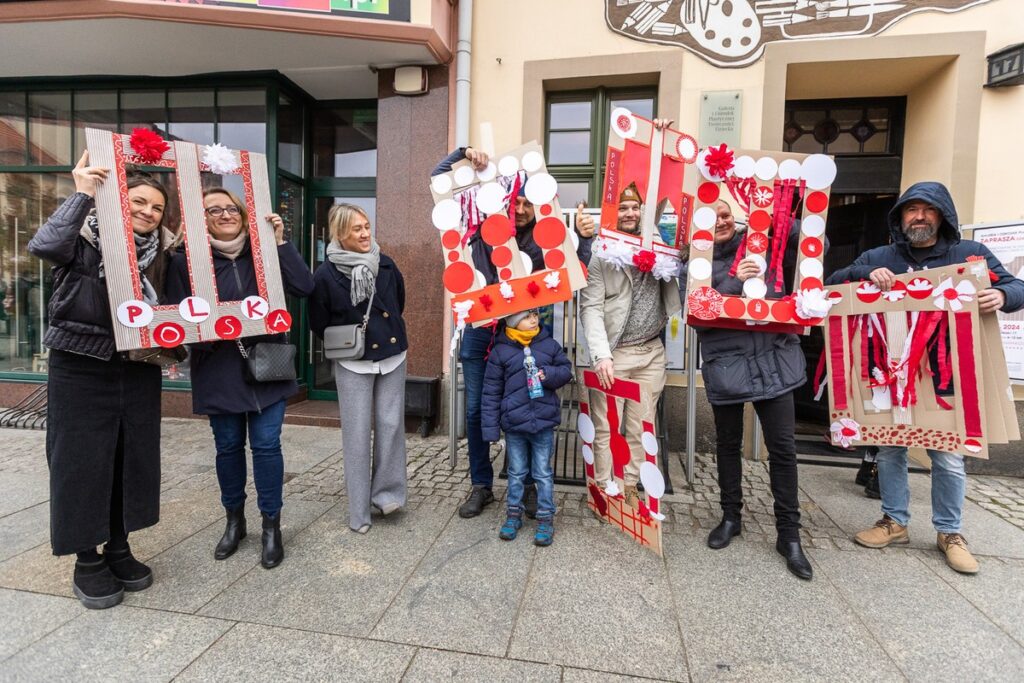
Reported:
(103, 436)
(371, 389)
(220, 390)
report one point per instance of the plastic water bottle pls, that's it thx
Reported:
(533, 384)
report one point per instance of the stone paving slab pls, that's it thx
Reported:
(20, 491)
(35, 616)
(439, 665)
(249, 652)
(24, 529)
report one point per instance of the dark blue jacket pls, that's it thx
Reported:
(506, 402)
(218, 370)
(331, 304)
(950, 248)
(481, 251)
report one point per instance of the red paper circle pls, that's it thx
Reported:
(757, 243)
(758, 309)
(811, 246)
(501, 256)
(783, 311)
(549, 233)
(554, 259)
(505, 273)
(545, 209)
(458, 277)
(279, 320)
(817, 202)
(760, 220)
(228, 327)
(451, 239)
(734, 307)
(496, 230)
(453, 256)
(704, 303)
(810, 283)
(708, 192)
(623, 123)
(169, 335)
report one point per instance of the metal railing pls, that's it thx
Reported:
(29, 414)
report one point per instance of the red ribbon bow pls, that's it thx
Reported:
(147, 145)
(644, 260)
(719, 160)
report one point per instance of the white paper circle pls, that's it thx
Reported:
(754, 289)
(527, 262)
(650, 476)
(813, 226)
(766, 168)
(686, 148)
(705, 218)
(194, 309)
(743, 167)
(464, 175)
(533, 161)
(481, 279)
(762, 265)
(447, 214)
(702, 166)
(488, 173)
(789, 169)
(134, 313)
(588, 454)
(650, 443)
(508, 165)
(811, 268)
(541, 188)
(700, 269)
(255, 307)
(819, 171)
(617, 115)
(490, 198)
(441, 184)
(585, 426)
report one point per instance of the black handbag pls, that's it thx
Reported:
(268, 362)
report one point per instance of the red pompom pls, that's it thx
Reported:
(719, 160)
(533, 288)
(487, 302)
(147, 145)
(644, 260)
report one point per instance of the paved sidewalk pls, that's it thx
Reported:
(429, 596)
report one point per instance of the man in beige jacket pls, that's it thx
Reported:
(624, 312)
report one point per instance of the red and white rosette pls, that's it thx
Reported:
(812, 304)
(623, 122)
(762, 196)
(844, 432)
(686, 148)
(898, 292)
(954, 297)
(654, 486)
(920, 288)
(705, 303)
(868, 292)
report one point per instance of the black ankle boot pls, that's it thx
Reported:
(722, 534)
(796, 561)
(273, 547)
(96, 586)
(133, 575)
(234, 531)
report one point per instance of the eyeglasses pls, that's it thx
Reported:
(218, 211)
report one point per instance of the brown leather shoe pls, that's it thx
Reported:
(958, 557)
(632, 495)
(885, 532)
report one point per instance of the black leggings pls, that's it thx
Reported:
(118, 535)
(778, 423)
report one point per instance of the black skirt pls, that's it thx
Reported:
(103, 416)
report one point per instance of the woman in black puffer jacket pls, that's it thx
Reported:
(103, 436)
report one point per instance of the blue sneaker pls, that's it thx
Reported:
(510, 528)
(545, 532)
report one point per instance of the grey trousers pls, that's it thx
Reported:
(376, 401)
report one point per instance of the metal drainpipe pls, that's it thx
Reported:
(462, 82)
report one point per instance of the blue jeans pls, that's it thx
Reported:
(531, 452)
(949, 484)
(267, 460)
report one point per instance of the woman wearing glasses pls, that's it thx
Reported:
(219, 387)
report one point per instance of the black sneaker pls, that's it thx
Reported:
(530, 501)
(132, 574)
(95, 585)
(479, 497)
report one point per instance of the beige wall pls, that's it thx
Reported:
(958, 132)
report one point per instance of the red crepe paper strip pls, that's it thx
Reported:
(719, 160)
(474, 219)
(741, 253)
(835, 343)
(927, 322)
(645, 512)
(819, 373)
(533, 288)
(782, 214)
(740, 189)
(969, 387)
(644, 260)
(147, 145)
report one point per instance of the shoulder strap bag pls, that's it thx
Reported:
(268, 362)
(347, 342)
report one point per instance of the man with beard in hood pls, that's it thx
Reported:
(477, 341)
(762, 368)
(926, 234)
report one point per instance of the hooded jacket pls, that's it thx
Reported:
(948, 250)
(506, 401)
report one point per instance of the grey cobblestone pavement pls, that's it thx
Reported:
(429, 596)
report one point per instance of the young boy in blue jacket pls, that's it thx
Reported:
(523, 349)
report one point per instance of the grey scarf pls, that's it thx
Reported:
(147, 247)
(361, 269)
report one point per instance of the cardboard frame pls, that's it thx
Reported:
(203, 316)
(756, 178)
(642, 523)
(463, 195)
(980, 411)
